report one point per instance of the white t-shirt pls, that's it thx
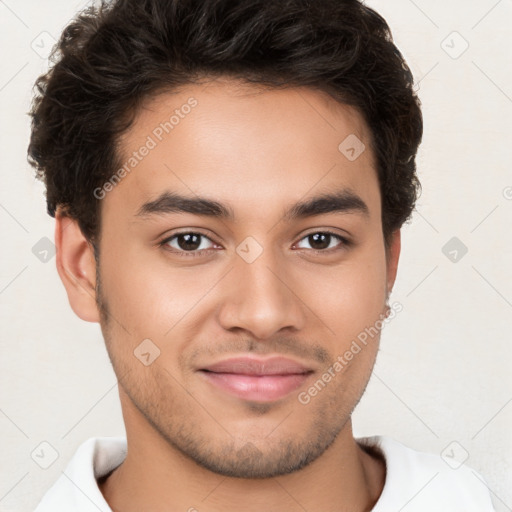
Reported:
(415, 481)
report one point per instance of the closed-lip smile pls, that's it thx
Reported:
(251, 378)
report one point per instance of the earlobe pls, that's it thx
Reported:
(393, 255)
(76, 267)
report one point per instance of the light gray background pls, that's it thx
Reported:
(443, 373)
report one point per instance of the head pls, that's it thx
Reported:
(230, 178)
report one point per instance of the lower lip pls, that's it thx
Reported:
(266, 388)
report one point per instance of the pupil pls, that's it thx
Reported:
(320, 239)
(191, 241)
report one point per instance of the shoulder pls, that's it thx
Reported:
(77, 488)
(418, 481)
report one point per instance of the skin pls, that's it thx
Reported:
(258, 151)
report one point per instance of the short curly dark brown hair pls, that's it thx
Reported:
(115, 55)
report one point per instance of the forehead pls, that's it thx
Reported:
(245, 145)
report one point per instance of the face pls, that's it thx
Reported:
(221, 319)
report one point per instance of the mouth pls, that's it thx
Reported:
(258, 380)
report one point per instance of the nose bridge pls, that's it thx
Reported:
(260, 299)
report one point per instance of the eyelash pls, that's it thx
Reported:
(194, 254)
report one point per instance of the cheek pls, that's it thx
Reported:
(145, 295)
(151, 296)
(349, 297)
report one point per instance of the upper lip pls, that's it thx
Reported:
(254, 366)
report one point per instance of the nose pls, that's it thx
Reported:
(260, 298)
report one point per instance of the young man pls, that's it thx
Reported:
(229, 179)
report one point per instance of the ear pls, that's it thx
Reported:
(392, 257)
(76, 267)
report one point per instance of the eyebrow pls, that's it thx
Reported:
(343, 201)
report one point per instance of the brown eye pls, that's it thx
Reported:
(319, 240)
(324, 241)
(187, 242)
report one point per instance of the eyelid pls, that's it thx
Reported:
(194, 231)
(330, 231)
(345, 242)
